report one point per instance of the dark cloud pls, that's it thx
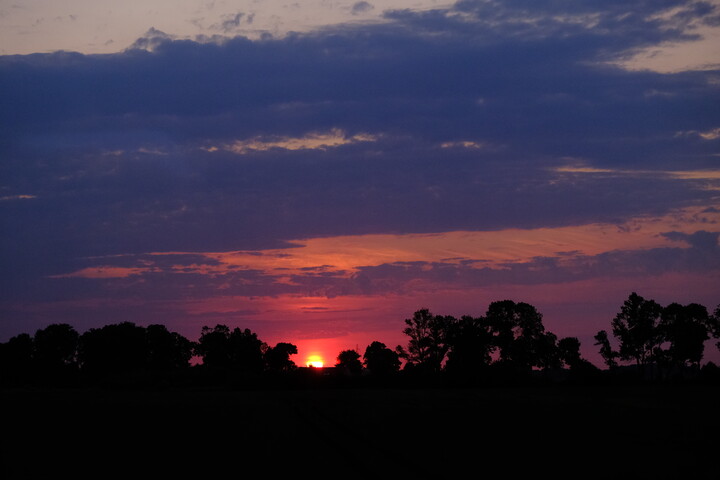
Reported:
(150, 40)
(388, 77)
(361, 7)
(701, 240)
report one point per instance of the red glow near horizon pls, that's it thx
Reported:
(577, 309)
(323, 352)
(324, 322)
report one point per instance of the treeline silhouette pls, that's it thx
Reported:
(509, 344)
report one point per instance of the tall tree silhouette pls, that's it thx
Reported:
(636, 327)
(380, 360)
(428, 344)
(685, 329)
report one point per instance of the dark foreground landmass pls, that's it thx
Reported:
(641, 431)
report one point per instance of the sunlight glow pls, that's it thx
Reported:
(315, 361)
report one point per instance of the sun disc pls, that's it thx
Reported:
(315, 361)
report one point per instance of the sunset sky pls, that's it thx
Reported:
(317, 171)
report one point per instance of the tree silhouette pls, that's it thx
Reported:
(672, 337)
(428, 344)
(247, 351)
(714, 325)
(606, 351)
(124, 350)
(167, 350)
(238, 350)
(55, 348)
(569, 351)
(277, 358)
(546, 352)
(16, 359)
(214, 346)
(569, 354)
(635, 326)
(520, 336)
(380, 360)
(685, 328)
(471, 345)
(113, 349)
(349, 360)
(510, 336)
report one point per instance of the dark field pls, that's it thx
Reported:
(564, 432)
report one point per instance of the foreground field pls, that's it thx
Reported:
(573, 432)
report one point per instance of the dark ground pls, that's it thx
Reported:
(562, 432)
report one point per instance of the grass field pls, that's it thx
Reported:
(564, 432)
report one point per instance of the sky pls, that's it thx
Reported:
(317, 171)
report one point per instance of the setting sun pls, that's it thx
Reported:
(314, 361)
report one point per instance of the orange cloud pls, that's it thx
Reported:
(344, 254)
(707, 174)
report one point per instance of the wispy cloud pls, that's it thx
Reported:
(8, 198)
(711, 134)
(311, 141)
(679, 174)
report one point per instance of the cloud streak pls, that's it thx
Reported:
(401, 264)
(311, 141)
